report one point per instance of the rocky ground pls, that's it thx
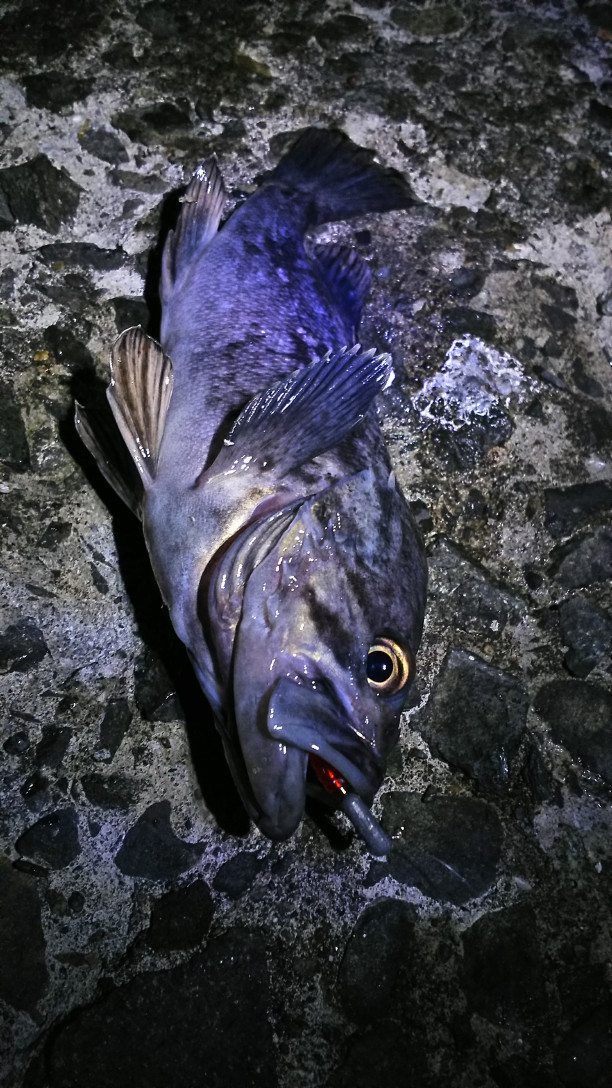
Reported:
(147, 935)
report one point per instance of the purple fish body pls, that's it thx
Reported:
(286, 554)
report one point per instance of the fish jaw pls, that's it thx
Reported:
(279, 729)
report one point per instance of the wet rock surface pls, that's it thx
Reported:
(147, 935)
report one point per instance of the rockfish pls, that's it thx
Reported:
(284, 550)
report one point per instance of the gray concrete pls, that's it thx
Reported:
(146, 935)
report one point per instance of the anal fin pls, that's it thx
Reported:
(98, 431)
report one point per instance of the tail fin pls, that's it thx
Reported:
(341, 178)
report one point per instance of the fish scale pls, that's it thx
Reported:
(286, 554)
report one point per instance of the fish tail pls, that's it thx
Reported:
(342, 179)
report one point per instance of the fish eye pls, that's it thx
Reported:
(388, 667)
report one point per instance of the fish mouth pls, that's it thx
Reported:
(305, 718)
(341, 766)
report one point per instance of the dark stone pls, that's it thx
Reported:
(105, 145)
(142, 183)
(557, 318)
(237, 874)
(567, 508)
(475, 719)
(203, 1022)
(109, 791)
(67, 347)
(601, 113)
(148, 123)
(22, 646)
(467, 596)
(579, 715)
(98, 579)
(586, 561)
(37, 192)
(54, 535)
(584, 381)
(83, 255)
(583, 1058)
(17, 744)
(463, 444)
(422, 515)
(582, 184)
(154, 693)
(130, 312)
(53, 841)
(449, 846)
(52, 746)
(115, 724)
(14, 450)
(587, 630)
(591, 426)
(504, 971)
(382, 941)
(467, 281)
(382, 1055)
(152, 850)
(181, 918)
(35, 792)
(55, 90)
(435, 21)
(23, 971)
(460, 319)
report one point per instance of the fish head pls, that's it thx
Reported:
(315, 614)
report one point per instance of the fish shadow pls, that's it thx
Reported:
(154, 626)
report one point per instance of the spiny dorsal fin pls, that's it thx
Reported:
(347, 276)
(307, 413)
(139, 395)
(198, 222)
(97, 430)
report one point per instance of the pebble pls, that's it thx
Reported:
(237, 874)
(579, 715)
(504, 973)
(23, 971)
(567, 508)
(22, 646)
(448, 847)
(475, 719)
(181, 918)
(204, 1021)
(151, 850)
(53, 841)
(586, 561)
(14, 452)
(37, 192)
(381, 942)
(587, 630)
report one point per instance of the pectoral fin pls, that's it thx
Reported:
(309, 412)
(139, 395)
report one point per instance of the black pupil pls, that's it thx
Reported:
(379, 667)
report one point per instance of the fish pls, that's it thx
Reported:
(247, 441)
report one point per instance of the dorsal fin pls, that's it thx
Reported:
(347, 276)
(139, 395)
(198, 222)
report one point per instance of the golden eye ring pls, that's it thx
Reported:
(389, 666)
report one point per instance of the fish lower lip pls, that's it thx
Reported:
(304, 719)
